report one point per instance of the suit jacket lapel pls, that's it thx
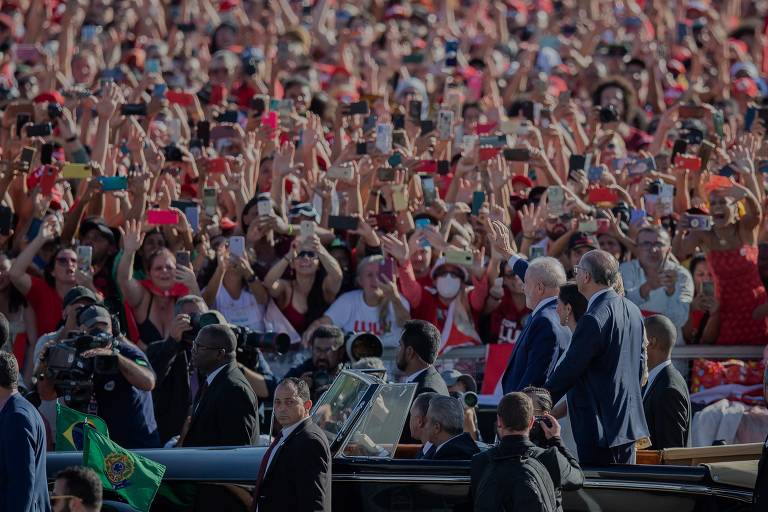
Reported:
(279, 449)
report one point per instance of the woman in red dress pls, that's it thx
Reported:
(731, 250)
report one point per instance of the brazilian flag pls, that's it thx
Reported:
(132, 476)
(69, 428)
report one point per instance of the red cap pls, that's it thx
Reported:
(522, 180)
(745, 86)
(49, 97)
(226, 224)
(557, 86)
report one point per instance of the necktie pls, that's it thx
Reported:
(263, 469)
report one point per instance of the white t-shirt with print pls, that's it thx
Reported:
(351, 314)
(243, 311)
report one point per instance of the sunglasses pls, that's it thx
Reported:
(307, 254)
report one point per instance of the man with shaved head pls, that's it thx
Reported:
(666, 402)
(602, 371)
(543, 339)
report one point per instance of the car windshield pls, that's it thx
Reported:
(379, 428)
(334, 408)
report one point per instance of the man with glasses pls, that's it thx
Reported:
(655, 281)
(77, 489)
(602, 371)
(318, 372)
(224, 411)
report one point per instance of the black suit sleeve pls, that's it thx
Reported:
(240, 426)
(671, 419)
(18, 441)
(562, 466)
(584, 345)
(313, 468)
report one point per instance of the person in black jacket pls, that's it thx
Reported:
(760, 494)
(514, 421)
(415, 357)
(295, 472)
(666, 402)
(445, 430)
(224, 410)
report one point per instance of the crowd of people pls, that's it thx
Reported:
(186, 184)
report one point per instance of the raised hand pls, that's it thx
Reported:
(132, 235)
(396, 247)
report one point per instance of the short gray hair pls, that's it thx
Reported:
(448, 412)
(660, 232)
(190, 299)
(421, 402)
(602, 266)
(548, 271)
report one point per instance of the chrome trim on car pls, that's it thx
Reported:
(589, 484)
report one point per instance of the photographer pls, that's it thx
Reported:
(464, 388)
(514, 422)
(119, 385)
(327, 355)
(177, 380)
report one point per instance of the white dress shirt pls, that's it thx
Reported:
(595, 296)
(655, 373)
(412, 377)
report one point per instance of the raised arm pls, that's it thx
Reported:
(18, 272)
(132, 237)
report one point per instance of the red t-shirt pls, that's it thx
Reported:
(47, 305)
(507, 320)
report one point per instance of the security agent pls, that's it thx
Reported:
(445, 430)
(76, 489)
(514, 420)
(177, 380)
(327, 356)
(123, 399)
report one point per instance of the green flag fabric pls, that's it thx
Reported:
(69, 428)
(132, 476)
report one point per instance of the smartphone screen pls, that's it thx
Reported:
(182, 258)
(237, 246)
(84, 255)
(428, 188)
(163, 217)
(478, 198)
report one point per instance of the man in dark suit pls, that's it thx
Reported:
(445, 430)
(543, 339)
(224, 413)
(417, 422)
(23, 483)
(295, 471)
(603, 367)
(666, 402)
(415, 357)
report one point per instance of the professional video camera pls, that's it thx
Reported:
(249, 343)
(71, 373)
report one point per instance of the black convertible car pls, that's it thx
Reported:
(363, 418)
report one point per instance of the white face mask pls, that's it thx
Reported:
(448, 286)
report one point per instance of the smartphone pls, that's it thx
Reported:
(237, 246)
(595, 173)
(269, 120)
(39, 130)
(259, 104)
(691, 111)
(517, 154)
(204, 132)
(134, 109)
(577, 162)
(680, 146)
(428, 188)
(398, 122)
(307, 228)
(21, 120)
(385, 174)
(230, 116)
(76, 171)
(387, 268)
(386, 222)
(458, 257)
(718, 120)
(384, 138)
(696, 222)
(341, 172)
(159, 90)
(217, 165)
(708, 288)
(358, 108)
(588, 226)
(184, 99)
(642, 166)
(556, 200)
(152, 66)
(749, 118)
(602, 195)
(48, 179)
(34, 228)
(210, 201)
(681, 32)
(494, 141)
(46, 154)
(6, 220)
(163, 217)
(369, 123)
(27, 155)
(186, 28)
(421, 223)
(84, 255)
(193, 217)
(183, 259)
(414, 110)
(110, 183)
(414, 58)
(342, 222)
(692, 163)
(451, 52)
(478, 198)
(536, 251)
(361, 148)
(445, 124)
(427, 126)
(395, 160)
